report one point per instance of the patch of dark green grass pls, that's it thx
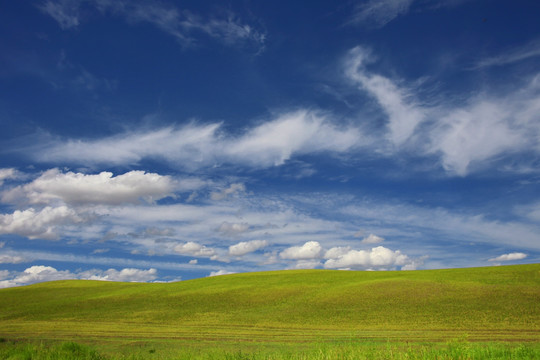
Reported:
(451, 351)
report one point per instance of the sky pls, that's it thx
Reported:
(160, 141)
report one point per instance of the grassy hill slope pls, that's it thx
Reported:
(494, 303)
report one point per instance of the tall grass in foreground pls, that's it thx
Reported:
(452, 350)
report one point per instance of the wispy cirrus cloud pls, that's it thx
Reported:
(193, 146)
(65, 12)
(464, 134)
(377, 13)
(399, 104)
(182, 24)
(11, 259)
(514, 55)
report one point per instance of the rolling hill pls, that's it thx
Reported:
(484, 304)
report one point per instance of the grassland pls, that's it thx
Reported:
(310, 313)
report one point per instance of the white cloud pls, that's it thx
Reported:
(103, 188)
(220, 272)
(372, 239)
(38, 224)
(377, 13)
(9, 259)
(310, 250)
(232, 190)
(307, 264)
(477, 133)
(100, 251)
(246, 247)
(125, 275)
(181, 24)
(398, 103)
(40, 273)
(65, 12)
(466, 135)
(378, 257)
(301, 132)
(37, 273)
(232, 229)
(194, 249)
(336, 252)
(510, 257)
(230, 29)
(153, 231)
(414, 220)
(194, 146)
(193, 262)
(8, 173)
(529, 50)
(4, 274)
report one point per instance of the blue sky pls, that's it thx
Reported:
(159, 141)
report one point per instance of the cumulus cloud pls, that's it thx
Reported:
(124, 275)
(509, 257)
(232, 190)
(220, 272)
(372, 239)
(377, 257)
(231, 229)
(336, 252)
(310, 250)
(193, 146)
(54, 186)
(307, 264)
(194, 249)
(246, 247)
(38, 224)
(37, 273)
(40, 273)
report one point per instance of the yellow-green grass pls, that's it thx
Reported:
(292, 310)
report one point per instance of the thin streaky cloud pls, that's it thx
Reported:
(527, 51)
(377, 13)
(196, 146)
(179, 23)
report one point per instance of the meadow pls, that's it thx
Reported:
(474, 313)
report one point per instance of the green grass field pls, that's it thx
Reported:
(489, 312)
